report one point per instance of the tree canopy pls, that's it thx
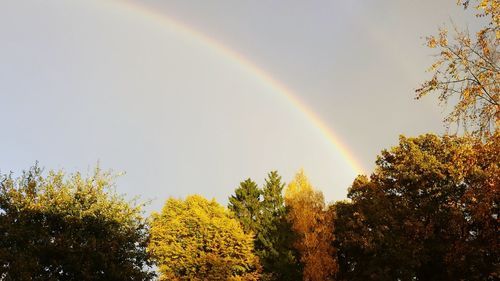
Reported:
(262, 212)
(245, 204)
(428, 212)
(69, 227)
(275, 237)
(313, 225)
(198, 239)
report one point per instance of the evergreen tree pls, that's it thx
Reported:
(246, 205)
(274, 241)
(273, 201)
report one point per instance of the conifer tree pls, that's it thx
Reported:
(245, 204)
(263, 212)
(274, 241)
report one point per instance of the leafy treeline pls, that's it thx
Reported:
(429, 210)
(70, 227)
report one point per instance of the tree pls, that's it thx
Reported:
(275, 238)
(428, 212)
(273, 202)
(262, 212)
(467, 70)
(245, 204)
(369, 239)
(314, 228)
(59, 227)
(197, 239)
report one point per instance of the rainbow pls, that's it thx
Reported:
(136, 8)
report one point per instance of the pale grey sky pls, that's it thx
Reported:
(88, 81)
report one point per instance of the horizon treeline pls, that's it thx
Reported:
(428, 211)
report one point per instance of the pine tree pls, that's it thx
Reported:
(246, 205)
(273, 201)
(274, 241)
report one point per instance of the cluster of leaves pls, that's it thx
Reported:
(69, 228)
(197, 239)
(487, 8)
(429, 212)
(467, 70)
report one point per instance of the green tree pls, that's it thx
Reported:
(467, 70)
(59, 227)
(197, 239)
(275, 238)
(313, 225)
(428, 212)
(245, 204)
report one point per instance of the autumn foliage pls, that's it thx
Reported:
(467, 69)
(428, 211)
(198, 239)
(313, 224)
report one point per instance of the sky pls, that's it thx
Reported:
(148, 88)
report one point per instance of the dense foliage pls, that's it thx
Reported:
(428, 212)
(313, 225)
(245, 204)
(59, 227)
(275, 236)
(262, 213)
(197, 239)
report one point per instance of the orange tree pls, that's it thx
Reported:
(313, 226)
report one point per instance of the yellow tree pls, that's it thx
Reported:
(198, 239)
(313, 225)
(467, 71)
